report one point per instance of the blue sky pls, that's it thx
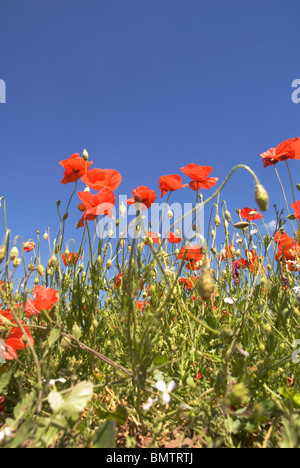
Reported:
(146, 87)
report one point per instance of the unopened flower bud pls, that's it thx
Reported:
(261, 197)
(40, 269)
(16, 262)
(85, 155)
(122, 210)
(205, 284)
(108, 264)
(52, 261)
(170, 214)
(2, 253)
(217, 220)
(227, 215)
(45, 236)
(14, 253)
(298, 187)
(99, 261)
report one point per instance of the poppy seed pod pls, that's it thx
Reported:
(205, 284)
(261, 197)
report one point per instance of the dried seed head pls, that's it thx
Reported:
(261, 197)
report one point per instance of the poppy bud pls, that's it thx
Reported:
(99, 261)
(298, 187)
(16, 262)
(52, 261)
(14, 253)
(2, 253)
(45, 236)
(40, 270)
(227, 215)
(217, 220)
(291, 216)
(65, 216)
(205, 285)
(122, 210)
(261, 197)
(108, 264)
(241, 225)
(170, 214)
(85, 155)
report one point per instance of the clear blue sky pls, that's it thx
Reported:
(146, 87)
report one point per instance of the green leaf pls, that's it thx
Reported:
(105, 436)
(78, 398)
(54, 336)
(5, 378)
(56, 401)
(120, 415)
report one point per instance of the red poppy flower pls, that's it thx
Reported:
(118, 280)
(245, 213)
(142, 304)
(296, 207)
(194, 265)
(193, 252)
(153, 236)
(253, 262)
(170, 183)
(100, 204)
(187, 283)
(142, 196)
(28, 246)
(75, 167)
(285, 245)
(15, 340)
(199, 176)
(288, 149)
(98, 178)
(226, 252)
(44, 299)
(173, 238)
(71, 257)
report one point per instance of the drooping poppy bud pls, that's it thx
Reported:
(205, 284)
(261, 197)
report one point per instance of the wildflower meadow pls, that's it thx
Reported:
(161, 325)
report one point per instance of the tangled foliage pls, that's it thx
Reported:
(136, 340)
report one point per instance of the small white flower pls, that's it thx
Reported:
(166, 390)
(253, 231)
(150, 402)
(170, 271)
(6, 433)
(52, 382)
(230, 300)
